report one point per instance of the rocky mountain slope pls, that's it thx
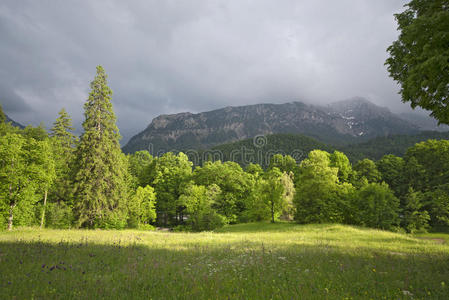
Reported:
(13, 123)
(341, 122)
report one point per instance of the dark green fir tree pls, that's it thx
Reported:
(100, 168)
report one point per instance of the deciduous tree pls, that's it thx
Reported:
(142, 207)
(317, 199)
(419, 58)
(169, 174)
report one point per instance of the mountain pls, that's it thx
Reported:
(13, 123)
(424, 122)
(338, 123)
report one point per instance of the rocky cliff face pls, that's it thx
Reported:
(339, 122)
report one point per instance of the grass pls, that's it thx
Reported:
(248, 261)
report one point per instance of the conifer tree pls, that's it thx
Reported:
(63, 146)
(62, 131)
(2, 115)
(100, 176)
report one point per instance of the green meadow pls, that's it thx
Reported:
(246, 261)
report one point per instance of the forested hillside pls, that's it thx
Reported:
(396, 144)
(261, 148)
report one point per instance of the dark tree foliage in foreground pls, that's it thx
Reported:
(419, 59)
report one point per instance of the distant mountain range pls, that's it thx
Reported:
(13, 123)
(350, 121)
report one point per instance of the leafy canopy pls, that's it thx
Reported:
(419, 59)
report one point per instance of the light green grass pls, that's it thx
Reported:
(248, 261)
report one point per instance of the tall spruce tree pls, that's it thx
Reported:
(100, 176)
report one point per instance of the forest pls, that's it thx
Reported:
(58, 180)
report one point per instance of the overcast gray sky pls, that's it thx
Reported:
(167, 56)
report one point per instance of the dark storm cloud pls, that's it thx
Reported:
(172, 56)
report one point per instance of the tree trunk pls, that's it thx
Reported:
(272, 212)
(43, 210)
(11, 216)
(11, 207)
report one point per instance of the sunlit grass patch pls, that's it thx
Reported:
(246, 261)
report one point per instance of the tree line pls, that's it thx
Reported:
(58, 180)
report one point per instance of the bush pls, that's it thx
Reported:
(148, 227)
(208, 221)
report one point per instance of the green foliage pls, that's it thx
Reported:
(2, 115)
(340, 161)
(27, 169)
(318, 198)
(59, 215)
(63, 146)
(142, 207)
(289, 146)
(101, 189)
(285, 163)
(271, 197)
(392, 170)
(169, 173)
(376, 206)
(62, 129)
(199, 201)
(235, 184)
(38, 133)
(8, 128)
(139, 167)
(274, 191)
(288, 207)
(427, 164)
(419, 58)
(416, 219)
(254, 169)
(115, 219)
(436, 202)
(397, 145)
(367, 169)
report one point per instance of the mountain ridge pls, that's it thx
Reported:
(13, 123)
(340, 122)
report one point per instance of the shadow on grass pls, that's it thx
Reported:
(239, 270)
